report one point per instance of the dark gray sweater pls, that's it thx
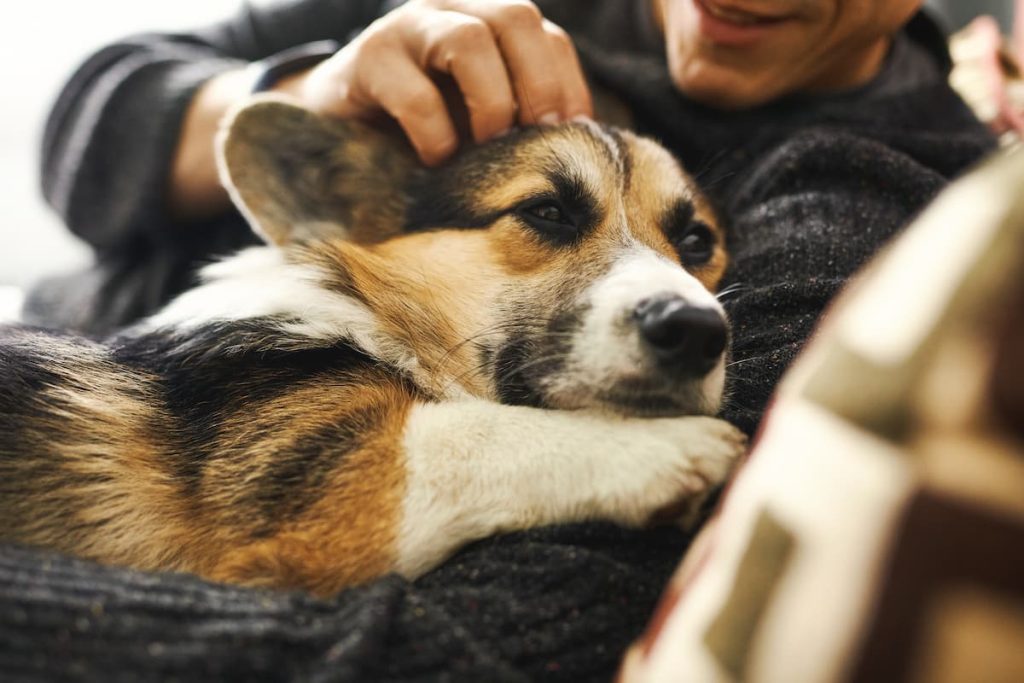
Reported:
(811, 188)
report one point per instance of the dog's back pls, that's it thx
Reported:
(81, 454)
(159, 451)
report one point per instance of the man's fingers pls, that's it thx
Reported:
(536, 66)
(406, 93)
(531, 64)
(509, 63)
(464, 47)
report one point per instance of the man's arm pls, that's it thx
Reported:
(130, 141)
(111, 135)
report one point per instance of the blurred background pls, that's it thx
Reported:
(40, 46)
(45, 43)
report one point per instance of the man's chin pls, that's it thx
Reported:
(721, 86)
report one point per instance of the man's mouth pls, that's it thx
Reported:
(730, 25)
(738, 16)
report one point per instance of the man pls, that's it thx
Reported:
(818, 126)
(512, 66)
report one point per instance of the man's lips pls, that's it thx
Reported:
(739, 15)
(730, 25)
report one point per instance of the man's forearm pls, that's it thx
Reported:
(195, 192)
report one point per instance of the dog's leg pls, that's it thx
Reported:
(475, 468)
(426, 478)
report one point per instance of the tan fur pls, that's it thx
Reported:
(102, 435)
(659, 173)
(348, 535)
(508, 193)
(419, 301)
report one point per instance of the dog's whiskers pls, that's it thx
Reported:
(533, 362)
(730, 290)
(498, 328)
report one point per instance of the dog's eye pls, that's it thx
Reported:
(697, 244)
(548, 212)
(549, 218)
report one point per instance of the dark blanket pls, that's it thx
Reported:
(551, 604)
(811, 187)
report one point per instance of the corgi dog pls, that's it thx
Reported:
(417, 358)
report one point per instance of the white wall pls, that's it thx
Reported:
(41, 43)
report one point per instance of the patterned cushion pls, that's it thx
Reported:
(988, 76)
(877, 531)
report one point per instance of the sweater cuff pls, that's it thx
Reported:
(267, 72)
(117, 181)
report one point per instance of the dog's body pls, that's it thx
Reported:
(507, 342)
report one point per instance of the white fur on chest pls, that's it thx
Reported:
(261, 283)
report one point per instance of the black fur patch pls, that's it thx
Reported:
(512, 381)
(445, 197)
(678, 219)
(527, 356)
(32, 484)
(577, 200)
(32, 360)
(222, 369)
(296, 478)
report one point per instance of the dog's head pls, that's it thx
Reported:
(566, 267)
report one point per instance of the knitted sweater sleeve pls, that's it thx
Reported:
(110, 136)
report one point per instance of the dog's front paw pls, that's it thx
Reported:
(671, 467)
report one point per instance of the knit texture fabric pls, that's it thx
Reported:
(809, 188)
(557, 604)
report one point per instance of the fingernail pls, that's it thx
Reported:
(582, 118)
(503, 133)
(550, 119)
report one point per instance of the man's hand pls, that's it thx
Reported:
(510, 64)
(987, 72)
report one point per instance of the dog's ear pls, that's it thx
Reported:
(297, 176)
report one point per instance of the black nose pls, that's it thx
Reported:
(688, 338)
